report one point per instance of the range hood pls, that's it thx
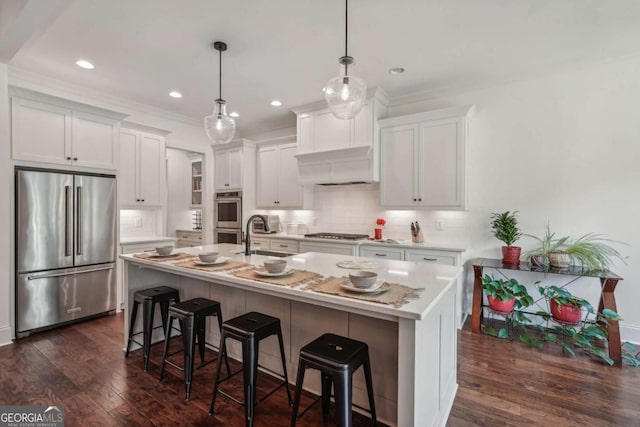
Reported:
(354, 165)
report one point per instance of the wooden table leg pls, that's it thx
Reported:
(608, 300)
(476, 306)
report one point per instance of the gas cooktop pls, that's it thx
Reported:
(337, 236)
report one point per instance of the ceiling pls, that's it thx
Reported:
(288, 49)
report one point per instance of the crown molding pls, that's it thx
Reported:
(41, 83)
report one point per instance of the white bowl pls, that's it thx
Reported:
(275, 265)
(208, 256)
(363, 279)
(164, 250)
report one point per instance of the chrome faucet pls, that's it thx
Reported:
(247, 240)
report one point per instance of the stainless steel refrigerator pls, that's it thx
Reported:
(65, 247)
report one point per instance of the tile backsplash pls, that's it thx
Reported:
(139, 223)
(355, 208)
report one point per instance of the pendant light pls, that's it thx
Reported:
(346, 93)
(219, 127)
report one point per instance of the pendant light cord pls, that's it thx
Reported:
(346, 32)
(220, 75)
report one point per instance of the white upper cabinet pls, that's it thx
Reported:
(228, 169)
(48, 129)
(277, 178)
(423, 160)
(318, 130)
(142, 174)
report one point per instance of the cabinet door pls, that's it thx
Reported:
(128, 168)
(40, 132)
(430, 256)
(305, 132)
(94, 141)
(331, 133)
(441, 179)
(329, 248)
(152, 179)
(234, 168)
(220, 171)
(399, 166)
(289, 191)
(363, 126)
(267, 177)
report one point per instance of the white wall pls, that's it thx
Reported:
(563, 148)
(6, 204)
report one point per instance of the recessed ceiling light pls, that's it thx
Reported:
(175, 94)
(276, 103)
(82, 63)
(234, 114)
(396, 70)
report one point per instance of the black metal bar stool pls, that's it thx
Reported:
(192, 315)
(337, 358)
(250, 329)
(162, 295)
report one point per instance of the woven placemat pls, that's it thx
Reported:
(227, 266)
(397, 295)
(292, 280)
(176, 256)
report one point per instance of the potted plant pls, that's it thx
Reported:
(592, 251)
(505, 294)
(565, 308)
(505, 228)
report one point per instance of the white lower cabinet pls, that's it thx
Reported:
(438, 257)
(329, 248)
(381, 252)
(284, 245)
(188, 238)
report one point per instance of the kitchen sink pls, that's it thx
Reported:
(269, 253)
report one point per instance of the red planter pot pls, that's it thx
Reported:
(566, 313)
(501, 306)
(511, 254)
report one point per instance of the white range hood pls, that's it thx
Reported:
(333, 151)
(354, 165)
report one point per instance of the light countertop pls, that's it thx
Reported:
(441, 246)
(147, 239)
(434, 278)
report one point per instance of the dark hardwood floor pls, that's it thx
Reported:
(502, 383)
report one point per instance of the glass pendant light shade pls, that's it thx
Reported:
(345, 96)
(219, 127)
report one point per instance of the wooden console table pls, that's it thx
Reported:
(608, 282)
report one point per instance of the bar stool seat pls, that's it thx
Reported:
(250, 329)
(149, 297)
(337, 358)
(192, 315)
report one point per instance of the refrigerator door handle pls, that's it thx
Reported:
(78, 220)
(68, 226)
(71, 273)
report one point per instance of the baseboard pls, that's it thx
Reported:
(5, 336)
(630, 333)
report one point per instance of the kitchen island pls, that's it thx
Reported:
(412, 347)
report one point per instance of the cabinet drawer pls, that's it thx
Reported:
(284, 245)
(192, 237)
(259, 241)
(382, 253)
(430, 256)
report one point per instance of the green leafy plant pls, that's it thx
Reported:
(504, 290)
(592, 251)
(589, 336)
(505, 227)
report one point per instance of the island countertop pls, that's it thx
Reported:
(433, 278)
